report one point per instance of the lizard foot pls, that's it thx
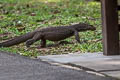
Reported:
(39, 47)
(28, 43)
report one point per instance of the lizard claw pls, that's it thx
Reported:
(28, 43)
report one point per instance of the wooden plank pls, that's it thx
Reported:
(118, 7)
(110, 27)
(119, 27)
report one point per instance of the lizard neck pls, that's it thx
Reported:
(75, 27)
(82, 27)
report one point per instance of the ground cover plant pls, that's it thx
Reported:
(18, 17)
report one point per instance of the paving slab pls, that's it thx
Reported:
(16, 67)
(112, 73)
(91, 61)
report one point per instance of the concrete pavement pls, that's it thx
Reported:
(96, 62)
(16, 67)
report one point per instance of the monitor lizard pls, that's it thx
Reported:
(50, 33)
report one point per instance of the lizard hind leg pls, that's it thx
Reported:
(35, 38)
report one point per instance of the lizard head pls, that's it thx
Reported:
(84, 27)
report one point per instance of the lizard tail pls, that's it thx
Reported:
(17, 40)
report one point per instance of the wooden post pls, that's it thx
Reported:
(110, 27)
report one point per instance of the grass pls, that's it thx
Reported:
(18, 17)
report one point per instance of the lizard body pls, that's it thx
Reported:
(50, 33)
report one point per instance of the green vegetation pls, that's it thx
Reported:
(21, 16)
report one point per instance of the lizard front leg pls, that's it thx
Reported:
(43, 43)
(77, 36)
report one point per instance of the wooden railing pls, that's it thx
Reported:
(110, 28)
